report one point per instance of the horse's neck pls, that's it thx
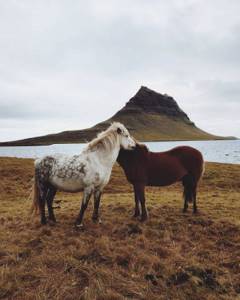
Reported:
(108, 158)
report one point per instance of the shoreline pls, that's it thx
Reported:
(223, 151)
(14, 144)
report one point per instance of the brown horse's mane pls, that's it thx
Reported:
(126, 157)
(142, 146)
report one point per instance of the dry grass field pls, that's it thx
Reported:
(171, 256)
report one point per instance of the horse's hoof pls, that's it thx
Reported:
(52, 222)
(195, 211)
(97, 221)
(79, 226)
(52, 219)
(135, 216)
(43, 222)
(143, 219)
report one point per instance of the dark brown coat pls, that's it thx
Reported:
(145, 168)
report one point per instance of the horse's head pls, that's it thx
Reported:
(140, 151)
(126, 141)
(133, 159)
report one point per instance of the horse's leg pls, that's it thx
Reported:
(97, 197)
(43, 189)
(50, 196)
(137, 210)
(141, 196)
(187, 182)
(86, 197)
(185, 205)
(185, 200)
(195, 200)
(190, 192)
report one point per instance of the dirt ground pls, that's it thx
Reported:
(171, 256)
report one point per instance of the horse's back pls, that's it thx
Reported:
(190, 158)
(165, 168)
(187, 152)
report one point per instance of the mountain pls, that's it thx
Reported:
(149, 116)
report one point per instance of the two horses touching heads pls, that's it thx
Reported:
(90, 171)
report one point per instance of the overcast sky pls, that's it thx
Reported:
(70, 64)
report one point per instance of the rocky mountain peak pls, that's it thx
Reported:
(149, 101)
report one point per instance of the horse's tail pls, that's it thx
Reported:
(188, 183)
(35, 197)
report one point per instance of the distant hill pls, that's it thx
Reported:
(150, 116)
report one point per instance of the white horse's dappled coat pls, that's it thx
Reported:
(89, 171)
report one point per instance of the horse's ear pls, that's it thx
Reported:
(119, 130)
(137, 146)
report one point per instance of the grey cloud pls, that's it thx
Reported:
(228, 91)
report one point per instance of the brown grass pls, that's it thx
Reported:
(171, 256)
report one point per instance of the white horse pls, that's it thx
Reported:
(88, 172)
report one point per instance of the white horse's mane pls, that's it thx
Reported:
(107, 139)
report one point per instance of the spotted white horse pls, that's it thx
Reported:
(88, 172)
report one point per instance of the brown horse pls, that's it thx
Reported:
(145, 168)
